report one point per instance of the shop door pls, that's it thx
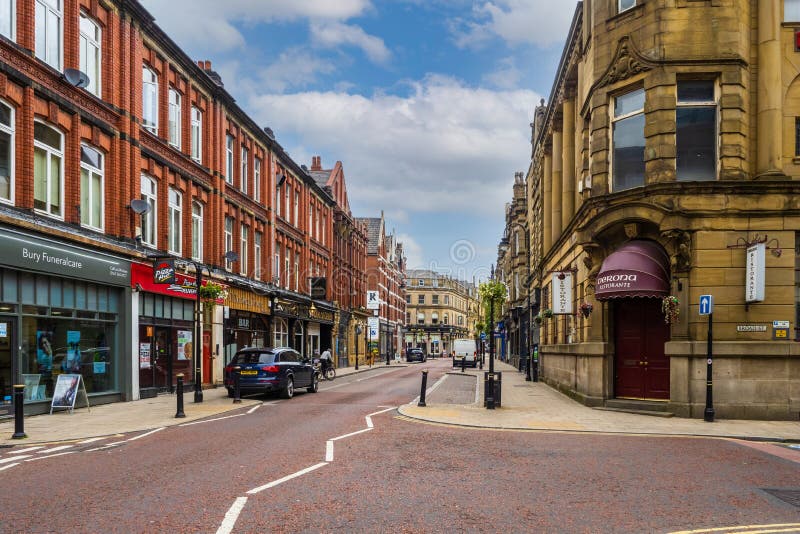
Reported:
(162, 359)
(207, 367)
(641, 370)
(8, 328)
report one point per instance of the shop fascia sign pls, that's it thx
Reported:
(373, 300)
(184, 286)
(755, 273)
(562, 293)
(32, 253)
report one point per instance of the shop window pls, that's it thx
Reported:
(627, 162)
(91, 52)
(197, 134)
(8, 18)
(257, 179)
(229, 159)
(48, 170)
(696, 131)
(149, 99)
(257, 255)
(625, 5)
(149, 190)
(228, 241)
(243, 238)
(197, 231)
(791, 10)
(6, 153)
(244, 177)
(92, 188)
(175, 218)
(49, 31)
(174, 118)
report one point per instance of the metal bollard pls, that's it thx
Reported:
(237, 384)
(424, 387)
(490, 393)
(528, 368)
(19, 414)
(463, 363)
(179, 413)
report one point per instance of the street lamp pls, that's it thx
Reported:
(527, 281)
(358, 333)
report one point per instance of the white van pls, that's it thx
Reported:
(465, 349)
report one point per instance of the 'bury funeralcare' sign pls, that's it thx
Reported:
(32, 253)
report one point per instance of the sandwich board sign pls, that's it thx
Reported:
(66, 392)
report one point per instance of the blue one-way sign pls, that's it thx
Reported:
(706, 304)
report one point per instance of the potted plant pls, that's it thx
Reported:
(211, 292)
(586, 308)
(548, 313)
(669, 305)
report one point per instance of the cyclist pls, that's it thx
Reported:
(325, 361)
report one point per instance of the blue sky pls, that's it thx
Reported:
(427, 103)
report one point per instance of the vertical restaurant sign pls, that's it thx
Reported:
(164, 271)
(755, 273)
(562, 293)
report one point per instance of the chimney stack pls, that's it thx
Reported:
(316, 163)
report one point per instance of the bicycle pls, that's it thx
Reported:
(329, 374)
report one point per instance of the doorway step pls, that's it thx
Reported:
(640, 407)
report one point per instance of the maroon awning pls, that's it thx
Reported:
(636, 269)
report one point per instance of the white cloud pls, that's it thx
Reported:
(444, 148)
(335, 34)
(208, 24)
(538, 22)
(294, 68)
(506, 76)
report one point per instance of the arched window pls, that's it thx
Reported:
(280, 332)
(6, 153)
(149, 99)
(91, 52)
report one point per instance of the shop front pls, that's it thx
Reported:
(62, 311)
(246, 321)
(320, 329)
(166, 331)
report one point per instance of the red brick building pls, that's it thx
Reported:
(116, 149)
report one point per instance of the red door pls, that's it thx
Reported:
(641, 370)
(207, 378)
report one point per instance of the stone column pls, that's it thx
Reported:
(769, 132)
(568, 198)
(547, 216)
(558, 161)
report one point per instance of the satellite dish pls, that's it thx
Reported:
(139, 206)
(279, 179)
(76, 77)
(231, 256)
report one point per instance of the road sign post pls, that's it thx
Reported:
(707, 308)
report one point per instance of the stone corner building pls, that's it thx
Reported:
(669, 147)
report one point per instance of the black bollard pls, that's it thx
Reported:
(463, 363)
(179, 413)
(528, 368)
(237, 384)
(424, 387)
(490, 391)
(19, 414)
(387, 357)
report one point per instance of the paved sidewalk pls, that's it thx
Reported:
(123, 417)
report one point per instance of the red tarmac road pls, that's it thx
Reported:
(400, 476)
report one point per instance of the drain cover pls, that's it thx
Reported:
(790, 496)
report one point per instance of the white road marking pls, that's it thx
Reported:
(388, 409)
(54, 449)
(90, 440)
(50, 456)
(369, 421)
(210, 420)
(231, 516)
(14, 458)
(351, 434)
(329, 451)
(9, 466)
(792, 528)
(431, 389)
(29, 449)
(286, 478)
(254, 408)
(109, 446)
(147, 434)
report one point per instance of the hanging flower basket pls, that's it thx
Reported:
(548, 313)
(669, 305)
(586, 308)
(538, 319)
(211, 292)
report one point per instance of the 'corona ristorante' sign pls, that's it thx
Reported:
(562, 293)
(754, 273)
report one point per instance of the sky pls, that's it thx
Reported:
(427, 103)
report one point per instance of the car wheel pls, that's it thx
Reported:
(288, 390)
(314, 387)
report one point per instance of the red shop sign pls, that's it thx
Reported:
(183, 287)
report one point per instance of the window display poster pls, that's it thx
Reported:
(66, 391)
(72, 363)
(144, 355)
(44, 351)
(31, 387)
(184, 344)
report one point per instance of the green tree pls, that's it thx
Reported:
(491, 292)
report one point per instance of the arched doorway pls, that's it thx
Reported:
(635, 279)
